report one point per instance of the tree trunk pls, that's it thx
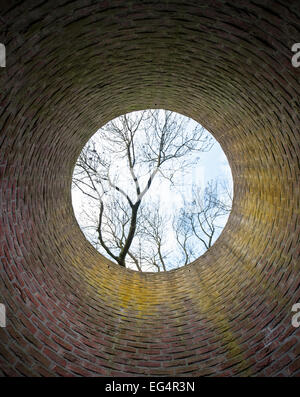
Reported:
(123, 253)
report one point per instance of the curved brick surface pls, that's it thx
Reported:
(71, 68)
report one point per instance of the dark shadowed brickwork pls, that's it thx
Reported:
(73, 66)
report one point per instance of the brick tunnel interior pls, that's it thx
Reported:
(71, 67)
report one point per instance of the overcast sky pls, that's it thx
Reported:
(210, 165)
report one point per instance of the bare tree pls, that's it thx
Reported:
(117, 171)
(154, 234)
(184, 235)
(200, 221)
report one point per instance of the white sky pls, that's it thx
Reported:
(210, 165)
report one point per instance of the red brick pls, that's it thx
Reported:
(54, 357)
(295, 366)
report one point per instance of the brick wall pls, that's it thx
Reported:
(70, 68)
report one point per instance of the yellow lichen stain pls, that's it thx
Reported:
(138, 296)
(207, 300)
(129, 291)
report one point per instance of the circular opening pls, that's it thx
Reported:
(152, 190)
